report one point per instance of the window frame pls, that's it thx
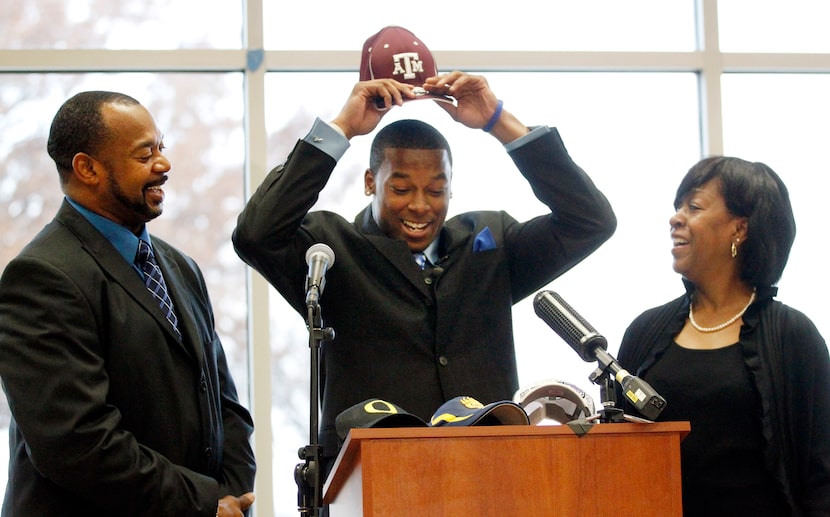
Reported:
(707, 62)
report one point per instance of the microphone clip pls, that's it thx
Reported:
(602, 377)
(312, 297)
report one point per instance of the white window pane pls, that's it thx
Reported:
(774, 25)
(121, 24)
(635, 135)
(521, 25)
(782, 120)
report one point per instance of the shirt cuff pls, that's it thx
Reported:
(535, 133)
(327, 138)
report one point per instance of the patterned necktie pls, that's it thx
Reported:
(155, 283)
(421, 260)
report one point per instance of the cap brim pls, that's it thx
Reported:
(457, 413)
(405, 420)
(379, 105)
(433, 97)
(357, 417)
(503, 413)
(421, 93)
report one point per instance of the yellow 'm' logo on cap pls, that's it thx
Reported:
(471, 403)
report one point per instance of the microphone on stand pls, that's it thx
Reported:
(308, 475)
(591, 346)
(319, 258)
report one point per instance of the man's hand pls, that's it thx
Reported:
(367, 104)
(477, 104)
(476, 101)
(230, 506)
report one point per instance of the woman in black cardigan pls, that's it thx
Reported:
(751, 374)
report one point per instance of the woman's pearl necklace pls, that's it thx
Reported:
(723, 325)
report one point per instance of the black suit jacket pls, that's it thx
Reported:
(112, 414)
(415, 338)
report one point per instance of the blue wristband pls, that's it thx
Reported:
(495, 118)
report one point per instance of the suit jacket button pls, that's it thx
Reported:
(443, 361)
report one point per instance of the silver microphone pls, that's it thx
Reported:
(319, 258)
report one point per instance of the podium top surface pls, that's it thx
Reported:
(350, 452)
(510, 430)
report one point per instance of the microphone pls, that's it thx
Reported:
(319, 258)
(570, 326)
(591, 346)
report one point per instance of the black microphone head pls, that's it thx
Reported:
(570, 326)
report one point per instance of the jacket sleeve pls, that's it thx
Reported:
(580, 217)
(807, 395)
(238, 464)
(268, 235)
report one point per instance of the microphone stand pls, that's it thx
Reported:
(609, 413)
(307, 474)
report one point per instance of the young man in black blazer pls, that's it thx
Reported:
(411, 336)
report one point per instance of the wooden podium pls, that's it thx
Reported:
(615, 469)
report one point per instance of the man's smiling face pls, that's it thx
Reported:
(412, 194)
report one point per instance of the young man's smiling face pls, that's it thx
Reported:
(412, 194)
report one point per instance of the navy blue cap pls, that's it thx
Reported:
(467, 411)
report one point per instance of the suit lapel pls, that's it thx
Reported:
(398, 253)
(109, 260)
(395, 251)
(180, 296)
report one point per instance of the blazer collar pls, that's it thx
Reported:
(449, 239)
(123, 273)
(181, 297)
(395, 251)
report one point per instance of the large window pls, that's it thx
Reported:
(639, 91)
(531, 25)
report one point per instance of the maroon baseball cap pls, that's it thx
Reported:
(396, 53)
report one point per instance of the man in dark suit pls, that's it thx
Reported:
(121, 398)
(419, 336)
